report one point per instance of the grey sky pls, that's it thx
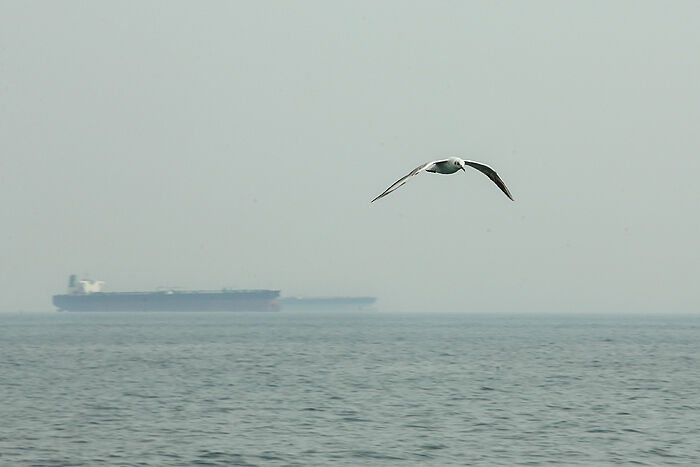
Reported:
(211, 144)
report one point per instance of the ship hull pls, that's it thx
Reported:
(229, 300)
(327, 303)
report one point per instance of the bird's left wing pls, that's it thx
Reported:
(490, 173)
(402, 180)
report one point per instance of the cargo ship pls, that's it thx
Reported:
(87, 295)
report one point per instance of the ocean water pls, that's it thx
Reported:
(182, 389)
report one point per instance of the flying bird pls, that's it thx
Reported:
(446, 167)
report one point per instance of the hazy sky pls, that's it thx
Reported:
(238, 144)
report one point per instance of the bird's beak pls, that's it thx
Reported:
(462, 167)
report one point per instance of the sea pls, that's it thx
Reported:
(346, 389)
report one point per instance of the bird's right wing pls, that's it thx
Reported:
(490, 173)
(400, 182)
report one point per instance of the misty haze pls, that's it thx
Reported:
(239, 146)
(248, 156)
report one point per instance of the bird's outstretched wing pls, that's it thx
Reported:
(490, 173)
(402, 180)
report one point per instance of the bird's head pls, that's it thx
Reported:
(460, 163)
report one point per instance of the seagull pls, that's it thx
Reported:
(446, 167)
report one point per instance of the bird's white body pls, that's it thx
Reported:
(446, 167)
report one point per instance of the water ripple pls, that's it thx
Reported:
(369, 389)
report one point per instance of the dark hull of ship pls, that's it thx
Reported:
(327, 303)
(233, 300)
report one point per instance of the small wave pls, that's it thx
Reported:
(433, 446)
(375, 455)
(660, 452)
(354, 419)
(219, 457)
